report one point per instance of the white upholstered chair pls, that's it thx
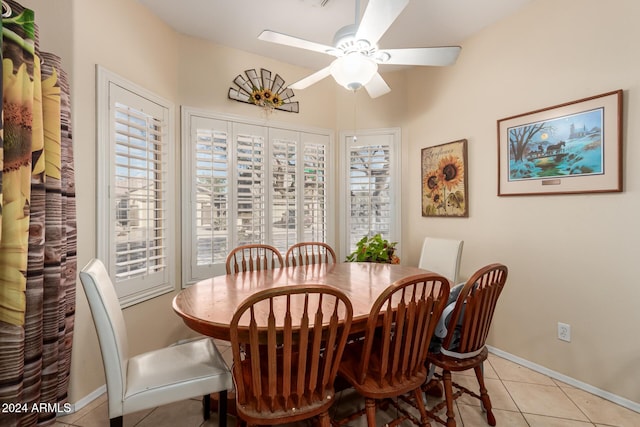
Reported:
(442, 256)
(183, 371)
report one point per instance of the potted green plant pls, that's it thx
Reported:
(374, 249)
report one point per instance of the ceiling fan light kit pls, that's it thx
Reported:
(356, 49)
(353, 70)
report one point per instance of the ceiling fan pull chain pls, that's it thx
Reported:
(355, 117)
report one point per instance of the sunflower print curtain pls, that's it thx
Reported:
(37, 227)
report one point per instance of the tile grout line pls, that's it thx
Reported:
(544, 415)
(508, 392)
(555, 384)
(577, 406)
(617, 400)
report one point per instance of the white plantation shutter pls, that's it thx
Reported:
(251, 184)
(284, 195)
(135, 186)
(248, 183)
(315, 192)
(140, 185)
(372, 197)
(299, 205)
(212, 194)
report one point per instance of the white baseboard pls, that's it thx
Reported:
(618, 400)
(75, 407)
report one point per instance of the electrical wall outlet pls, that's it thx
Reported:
(564, 332)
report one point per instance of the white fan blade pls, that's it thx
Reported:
(311, 79)
(435, 56)
(378, 17)
(279, 38)
(377, 86)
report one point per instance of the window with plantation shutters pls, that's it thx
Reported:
(211, 194)
(315, 203)
(372, 186)
(135, 189)
(251, 184)
(299, 205)
(284, 206)
(244, 182)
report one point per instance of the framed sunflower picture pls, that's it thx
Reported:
(444, 180)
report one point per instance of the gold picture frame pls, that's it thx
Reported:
(444, 180)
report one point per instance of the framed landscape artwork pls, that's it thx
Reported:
(574, 147)
(444, 180)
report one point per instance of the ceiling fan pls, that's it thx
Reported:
(357, 54)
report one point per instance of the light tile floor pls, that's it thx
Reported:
(520, 398)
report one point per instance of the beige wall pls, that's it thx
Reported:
(358, 111)
(111, 34)
(206, 72)
(572, 258)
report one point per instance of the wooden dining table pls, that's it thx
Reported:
(208, 305)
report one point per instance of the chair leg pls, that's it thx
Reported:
(324, 420)
(116, 422)
(448, 393)
(424, 420)
(370, 407)
(206, 406)
(484, 396)
(222, 408)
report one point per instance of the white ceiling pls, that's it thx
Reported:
(237, 23)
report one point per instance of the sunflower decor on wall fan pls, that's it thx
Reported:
(444, 180)
(263, 90)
